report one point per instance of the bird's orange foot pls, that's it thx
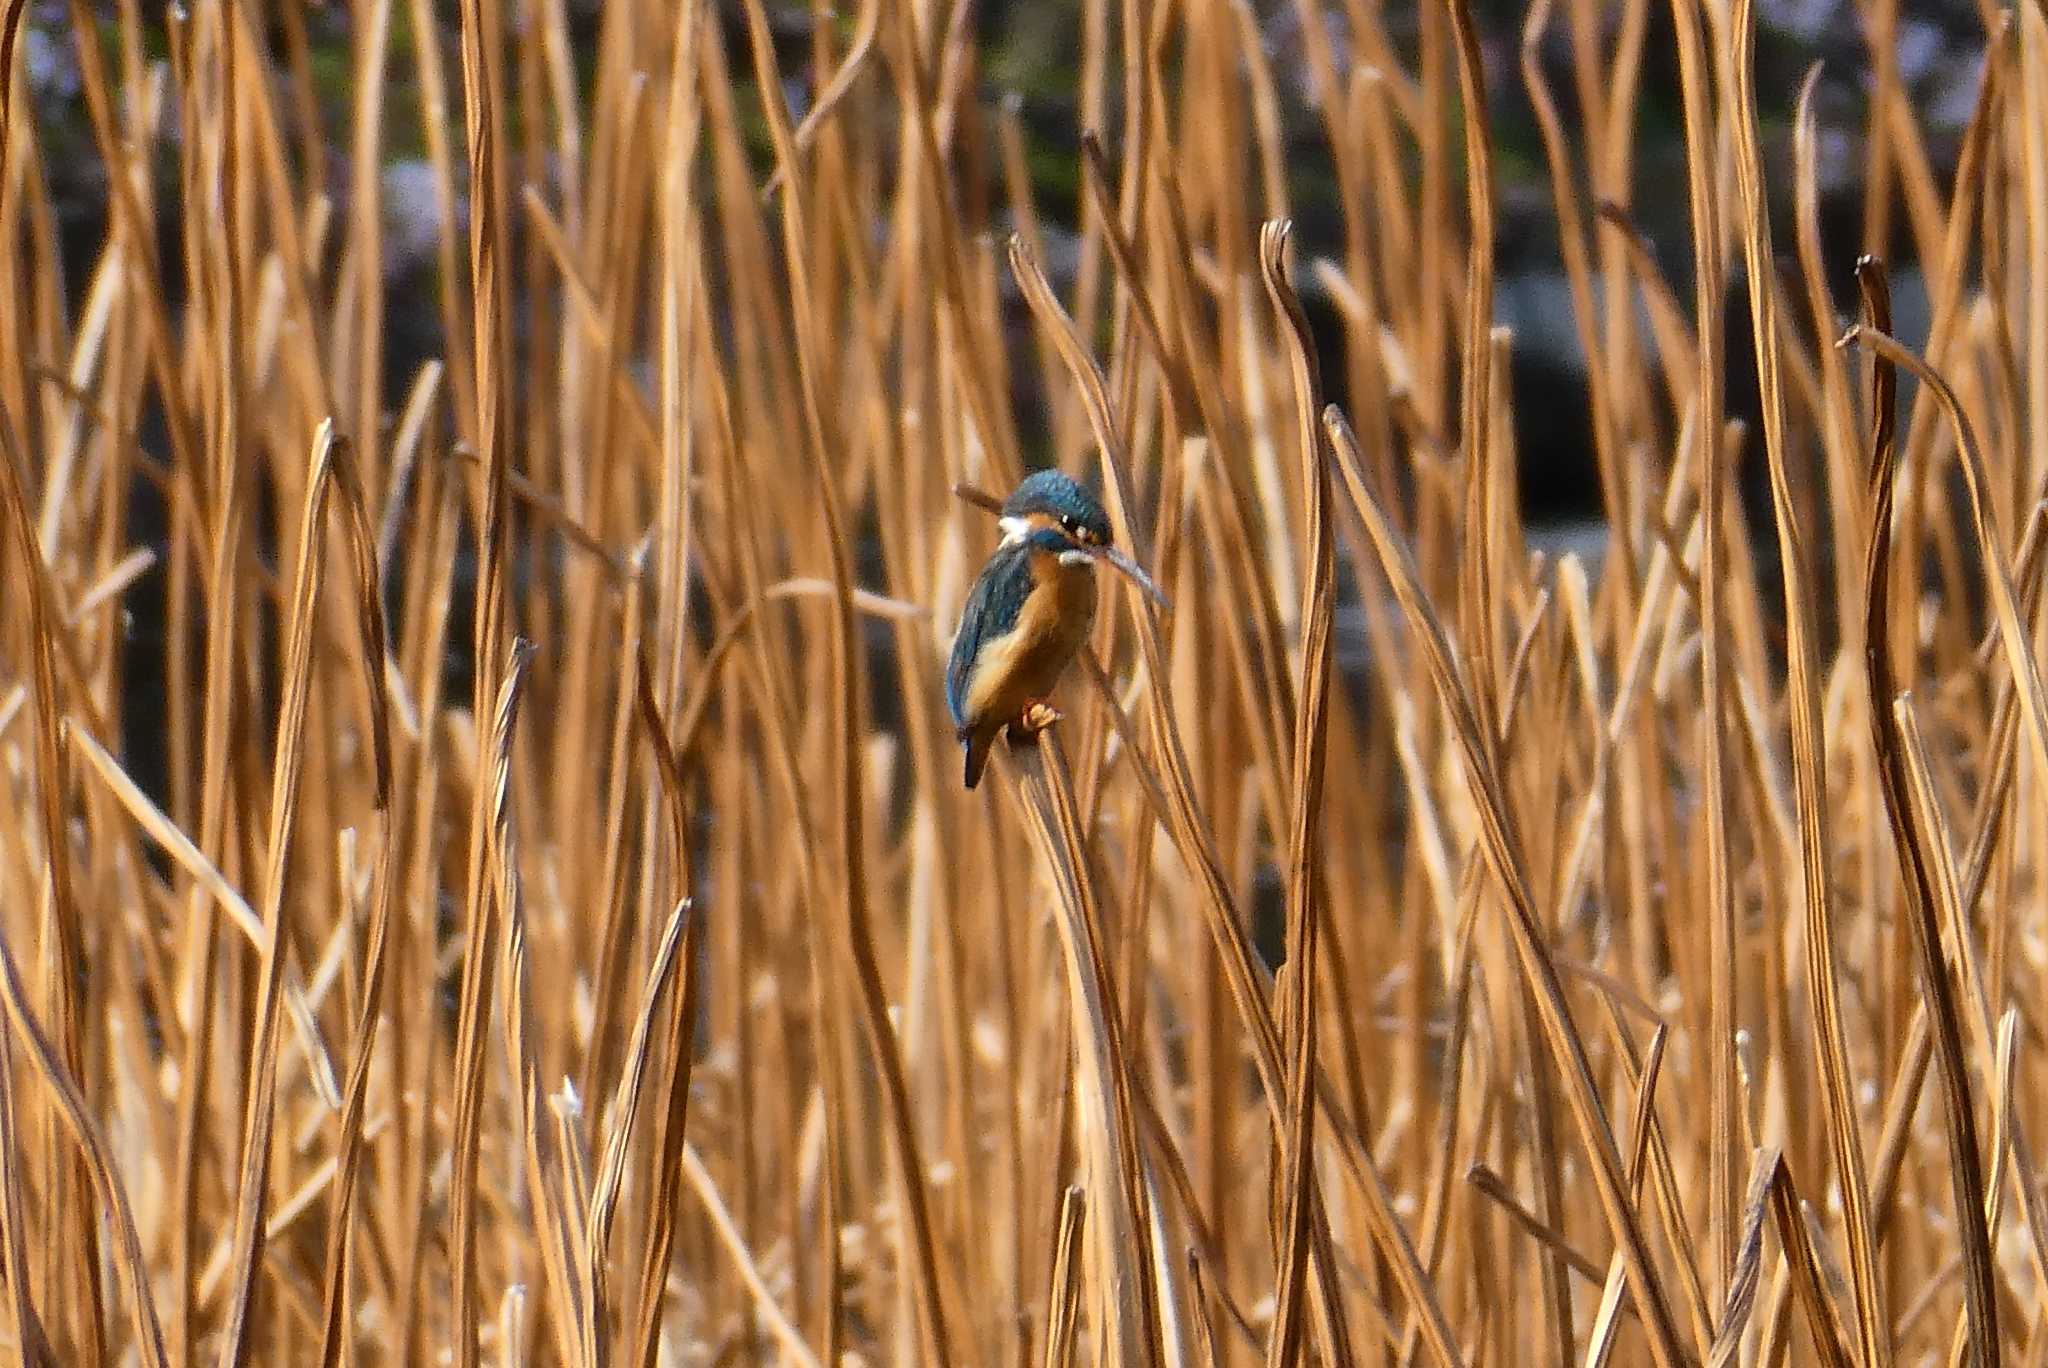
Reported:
(1037, 716)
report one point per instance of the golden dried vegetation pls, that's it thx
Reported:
(558, 932)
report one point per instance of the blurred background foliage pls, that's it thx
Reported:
(1029, 52)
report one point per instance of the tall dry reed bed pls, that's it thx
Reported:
(561, 935)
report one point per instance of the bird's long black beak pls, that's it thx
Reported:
(1134, 572)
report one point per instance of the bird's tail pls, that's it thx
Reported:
(976, 742)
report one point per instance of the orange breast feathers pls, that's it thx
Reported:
(1023, 664)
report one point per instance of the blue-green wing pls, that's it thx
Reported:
(992, 608)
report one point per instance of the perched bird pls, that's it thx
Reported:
(1028, 612)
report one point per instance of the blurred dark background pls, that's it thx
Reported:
(1030, 52)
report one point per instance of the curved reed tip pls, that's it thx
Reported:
(1336, 424)
(977, 496)
(1853, 337)
(1273, 235)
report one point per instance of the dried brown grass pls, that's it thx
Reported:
(1602, 900)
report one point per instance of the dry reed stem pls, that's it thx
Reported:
(1495, 1189)
(1910, 841)
(330, 466)
(376, 958)
(553, 1212)
(1608, 1319)
(1064, 1300)
(867, 975)
(1704, 419)
(58, 933)
(1499, 846)
(786, 1334)
(482, 42)
(31, 1345)
(1124, 1305)
(1305, 900)
(676, 1049)
(1809, 737)
(107, 1186)
(1807, 1280)
(611, 1173)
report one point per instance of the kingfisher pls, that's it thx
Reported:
(1029, 611)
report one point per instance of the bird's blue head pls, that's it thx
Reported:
(1050, 499)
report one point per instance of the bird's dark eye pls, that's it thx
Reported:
(1071, 523)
